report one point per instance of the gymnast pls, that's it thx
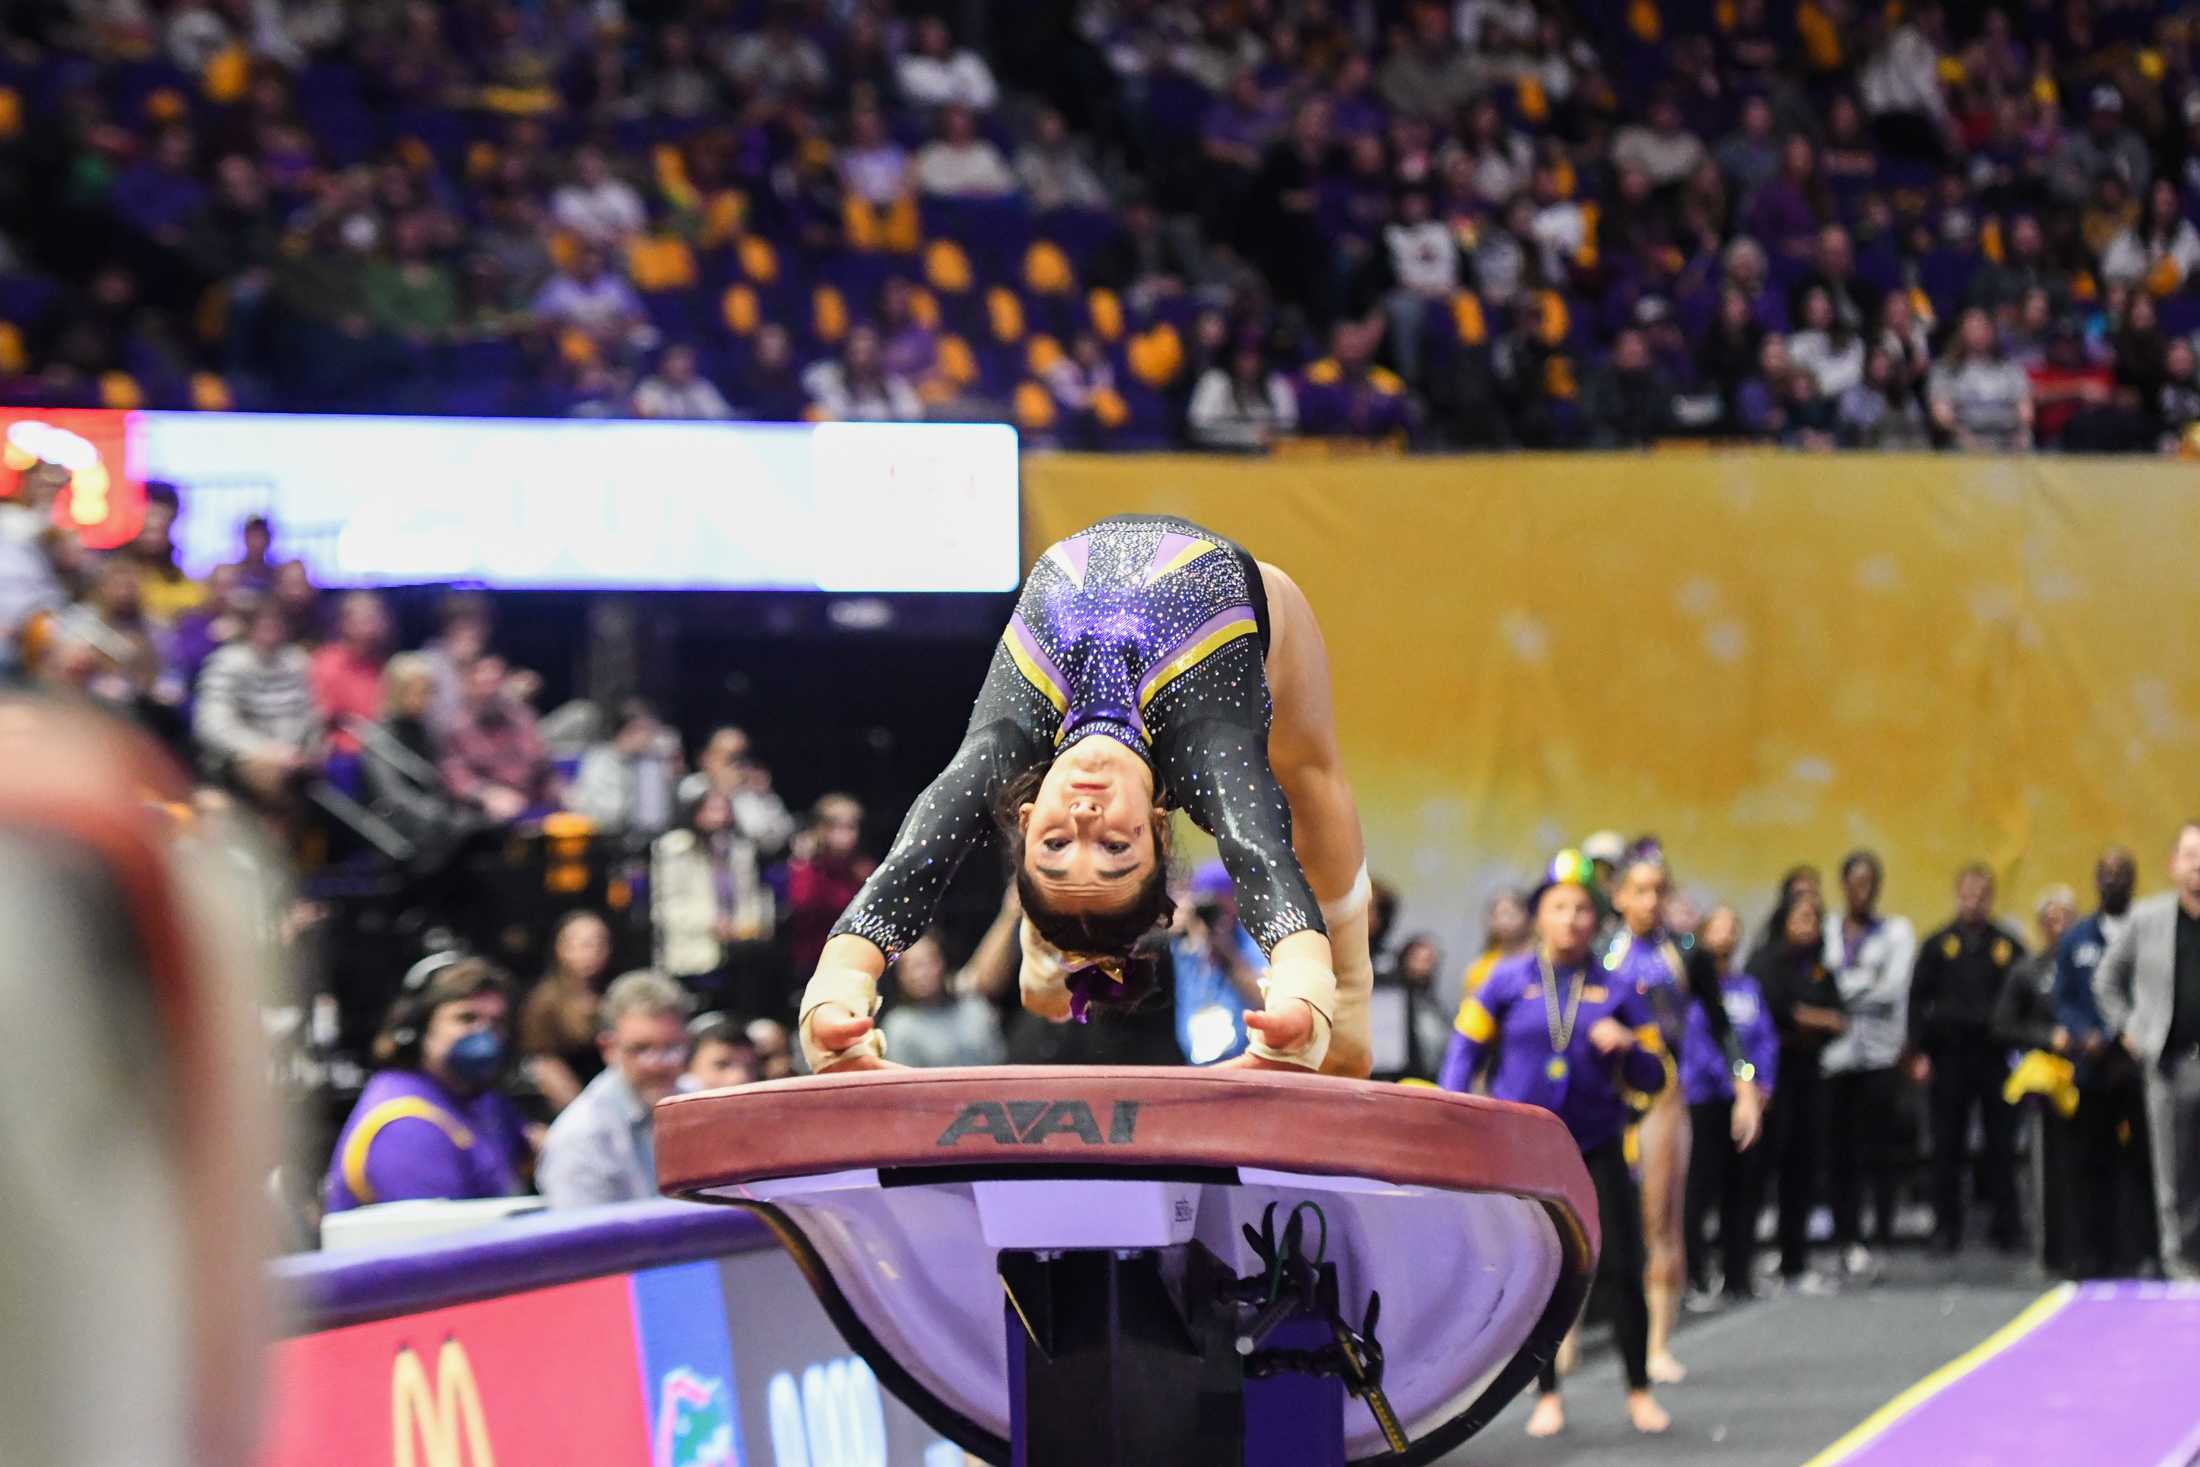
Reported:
(1150, 666)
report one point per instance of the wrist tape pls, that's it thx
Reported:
(853, 989)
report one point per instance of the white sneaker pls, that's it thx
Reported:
(1815, 1285)
(1857, 1260)
(1701, 1301)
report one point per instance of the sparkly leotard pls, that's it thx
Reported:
(1144, 629)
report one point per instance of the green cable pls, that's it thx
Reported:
(1275, 1264)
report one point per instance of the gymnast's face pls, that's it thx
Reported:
(1089, 831)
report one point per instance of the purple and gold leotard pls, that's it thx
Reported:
(1148, 630)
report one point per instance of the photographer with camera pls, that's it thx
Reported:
(1218, 969)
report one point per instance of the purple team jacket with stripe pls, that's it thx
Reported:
(1704, 1074)
(408, 1137)
(1507, 1025)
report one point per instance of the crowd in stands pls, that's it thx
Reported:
(1125, 223)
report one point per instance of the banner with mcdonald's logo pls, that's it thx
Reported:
(550, 1376)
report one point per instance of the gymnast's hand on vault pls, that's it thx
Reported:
(834, 1027)
(1288, 1029)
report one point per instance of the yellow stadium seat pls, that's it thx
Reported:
(228, 72)
(947, 267)
(739, 308)
(1110, 409)
(481, 159)
(120, 390)
(759, 261)
(1005, 314)
(1047, 269)
(1106, 310)
(1156, 356)
(828, 313)
(11, 112)
(860, 225)
(12, 359)
(957, 361)
(924, 308)
(166, 104)
(210, 394)
(904, 229)
(1034, 407)
(1041, 353)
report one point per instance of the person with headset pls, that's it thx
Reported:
(432, 1121)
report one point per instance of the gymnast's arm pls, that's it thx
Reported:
(1216, 768)
(954, 813)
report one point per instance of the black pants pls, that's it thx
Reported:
(2112, 1185)
(1731, 1181)
(1968, 1073)
(1798, 1121)
(1618, 1284)
(1863, 1148)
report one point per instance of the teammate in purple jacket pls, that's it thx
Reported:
(1723, 1171)
(1555, 1032)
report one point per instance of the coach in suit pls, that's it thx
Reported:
(2148, 990)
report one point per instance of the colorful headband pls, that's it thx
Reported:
(1085, 975)
(1570, 868)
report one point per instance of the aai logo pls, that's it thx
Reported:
(1034, 1122)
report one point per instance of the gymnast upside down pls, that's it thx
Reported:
(1150, 666)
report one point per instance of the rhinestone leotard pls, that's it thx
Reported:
(1143, 629)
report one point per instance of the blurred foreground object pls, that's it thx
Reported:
(134, 1128)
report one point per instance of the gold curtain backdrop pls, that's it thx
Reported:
(1763, 658)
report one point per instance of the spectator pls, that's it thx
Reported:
(1807, 415)
(857, 387)
(1283, 229)
(2066, 385)
(2161, 251)
(1423, 269)
(1218, 970)
(1833, 269)
(602, 1148)
(1149, 260)
(399, 767)
(1244, 407)
(164, 591)
(2024, 1020)
(1052, 170)
(493, 758)
(2114, 1223)
(770, 387)
(1827, 347)
(1429, 75)
(255, 568)
(2024, 267)
(1870, 954)
(1761, 401)
(707, 897)
(558, 1024)
(938, 74)
(1662, 147)
(254, 718)
(960, 164)
(299, 600)
(1790, 208)
(464, 617)
(217, 621)
(108, 640)
(2148, 992)
(679, 86)
(2177, 398)
(1750, 158)
(873, 166)
(161, 196)
(409, 293)
(1881, 412)
(678, 390)
(1901, 87)
(1506, 932)
(1079, 381)
(2104, 147)
(1411, 1029)
(728, 764)
(1345, 394)
(596, 301)
(824, 872)
(626, 786)
(1501, 160)
(1731, 347)
(775, 62)
(2024, 341)
(1725, 1165)
(721, 1054)
(1960, 973)
(347, 672)
(1806, 1013)
(431, 1122)
(597, 206)
(939, 1020)
(1979, 398)
(1629, 402)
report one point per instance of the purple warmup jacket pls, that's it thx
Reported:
(1704, 1075)
(408, 1137)
(1507, 1024)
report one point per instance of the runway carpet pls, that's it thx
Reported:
(1775, 1383)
